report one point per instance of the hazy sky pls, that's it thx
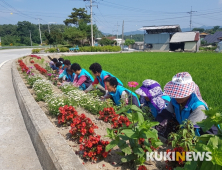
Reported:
(136, 13)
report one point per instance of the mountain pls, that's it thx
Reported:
(205, 27)
(133, 32)
(141, 32)
(127, 33)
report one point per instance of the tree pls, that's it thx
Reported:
(199, 29)
(106, 41)
(129, 42)
(79, 14)
(215, 28)
(87, 29)
(55, 37)
(74, 35)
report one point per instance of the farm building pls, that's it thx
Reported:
(170, 38)
(186, 41)
(215, 38)
(203, 35)
(138, 45)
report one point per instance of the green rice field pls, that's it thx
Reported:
(205, 68)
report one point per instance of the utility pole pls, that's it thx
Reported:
(191, 13)
(0, 42)
(40, 30)
(91, 14)
(122, 37)
(48, 25)
(117, 30)
(91, 23)
(30, 37)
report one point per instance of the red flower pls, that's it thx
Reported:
(85, 154)
(99, 149)
(81, 147)
(83, 131)
(142, 167)
(90, 154)
(105, 154)
(91, 130)
(83, 124)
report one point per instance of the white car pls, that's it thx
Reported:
(125, 48)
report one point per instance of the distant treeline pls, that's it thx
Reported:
(19, 34)
(209, 31)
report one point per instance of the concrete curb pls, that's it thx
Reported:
(52, 150)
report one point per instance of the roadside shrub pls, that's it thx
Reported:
(34, 51)
(100, 49)
(52, 50)
(207, 48)
(46, 50)
(63, 49)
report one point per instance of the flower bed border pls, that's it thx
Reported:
(52, 150)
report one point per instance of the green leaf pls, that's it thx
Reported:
(140, 118)
(205, 138)
(127, 150)
(157, 144)
(184, 132)
(189, 166)
(124, 147)
(129, 116)
(142, 134)
(128, 132)
(123, 137)
(151, 134)
(135, 108)
(111, 145)
(152, 124)
(205, 124)
(110, 133)
(139, 151)
(128, 158)
(213, 141)
(173, 144)
(124, 109)
(207, 165)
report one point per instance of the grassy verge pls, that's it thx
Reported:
(205, 68)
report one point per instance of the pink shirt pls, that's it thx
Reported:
(79, 81)
(60, 71)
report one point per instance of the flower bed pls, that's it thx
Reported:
(92, 146)
(23, 66)
(81, 131)
(40, 69)
(35, 56)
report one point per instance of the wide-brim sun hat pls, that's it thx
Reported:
(181, 86)
(153, 88)
(153, 91)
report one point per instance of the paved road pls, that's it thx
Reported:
(16, 149)
(12, 54)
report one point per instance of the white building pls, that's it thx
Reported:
(119, 41)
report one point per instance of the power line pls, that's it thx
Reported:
(117, 30)
(191, 13)
(15, 9)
